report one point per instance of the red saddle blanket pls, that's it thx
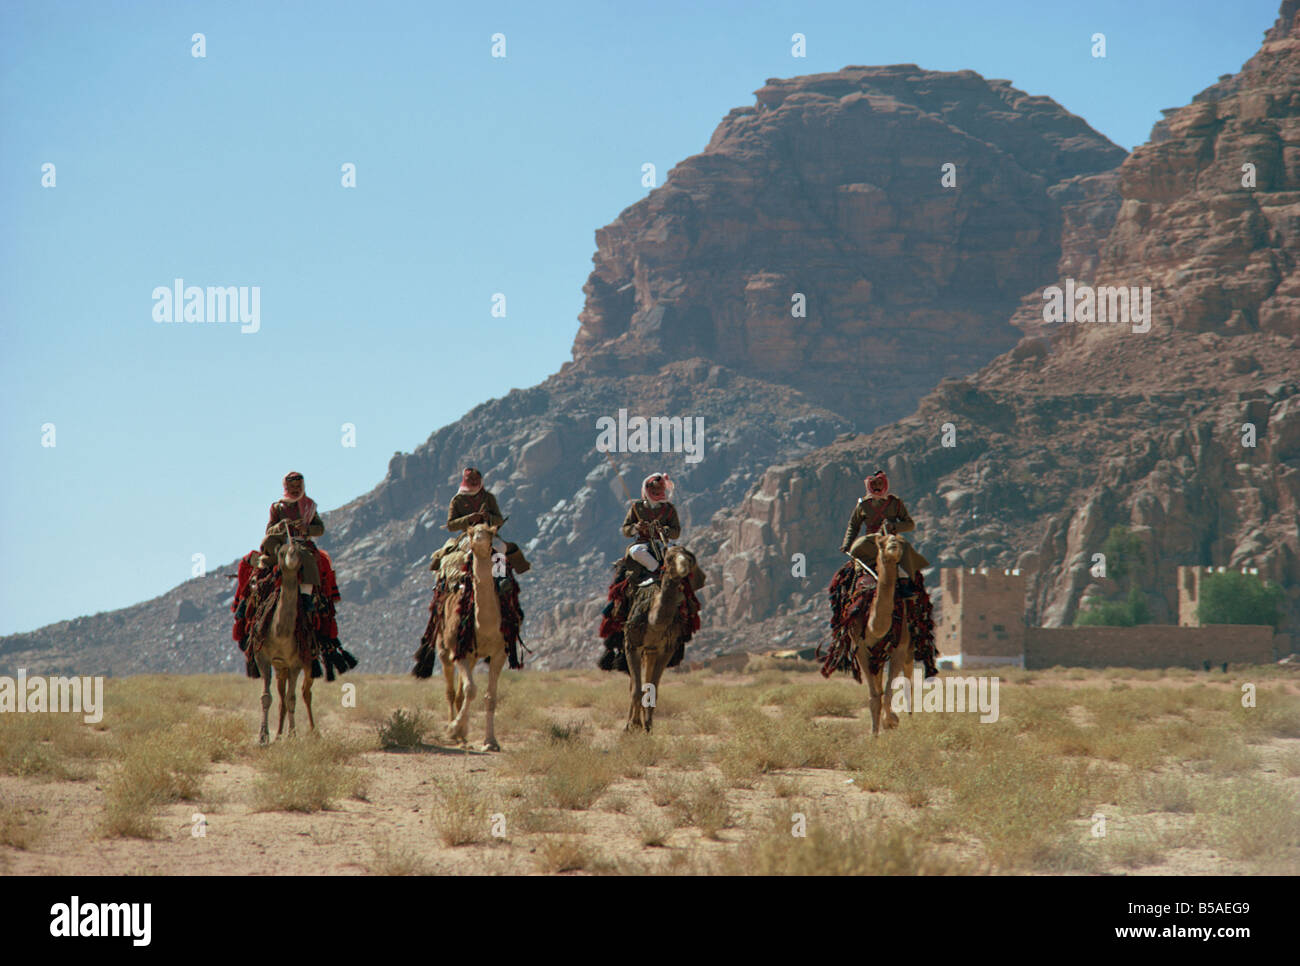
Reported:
(851, 593)
(316, 629)
(622, 596)
(250, 580)
(512, 619)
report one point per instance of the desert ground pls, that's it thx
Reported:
(1181, 778)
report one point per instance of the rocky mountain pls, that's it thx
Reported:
(1089, 424)
(829, 188)
(814, 242)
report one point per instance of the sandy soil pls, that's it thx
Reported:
(357, 836)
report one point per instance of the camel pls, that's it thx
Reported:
(650, 644)
(280, 649)
(889, 550)
(489, 642)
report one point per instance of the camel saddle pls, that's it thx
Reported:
(449, 563)
(310, 572)
(451, 557)
(864, 549)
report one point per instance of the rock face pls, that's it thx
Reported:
(1087, 425)
(830, 187)
(536, 449)
(826, 197)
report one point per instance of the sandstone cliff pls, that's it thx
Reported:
(1087, 425)
(829, 188)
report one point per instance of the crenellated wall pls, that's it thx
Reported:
(983, 619)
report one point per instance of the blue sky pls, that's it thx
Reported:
(475, 175)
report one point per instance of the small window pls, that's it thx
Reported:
(998, 627)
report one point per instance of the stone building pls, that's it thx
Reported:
(983, 621)
(983, 616)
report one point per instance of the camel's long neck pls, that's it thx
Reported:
(286, 608)
(487, 609)
(882, 608)
(664, 609)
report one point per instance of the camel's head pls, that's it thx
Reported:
(480, 539)
(288, 557)
(889, 545)
(679, 564)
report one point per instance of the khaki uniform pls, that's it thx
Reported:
(463, 506)
(868, 516)
(665, 514)
(642, 511)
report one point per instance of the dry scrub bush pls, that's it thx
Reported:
(573, 772)
(759, 744)
(152, 770)
(562, 854)
(1275, 716)
(20, 828)
(54, 746)
(578, 776)
(460, 812)
(307, 774)
(653, 831)
(1021, 805)
(1165, 792)
(391, 859)
(1249, 817)
(831, 700)
(403, 730)
(703, 805)
(836, 845)
(1132, 848)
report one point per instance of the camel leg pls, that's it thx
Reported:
(280, 682)
(646, 697)
(654, 674)
(895, 660)
(307, 680)
(876, 687)
(460, 724)
(460, 690)
(265, 670)
(905, 656)
(634, 715)
(490, 702)
(449, 676)
(292, 693)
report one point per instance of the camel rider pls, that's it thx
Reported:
(880, 507)
(652, 520)
(298, 511)
(472, 505)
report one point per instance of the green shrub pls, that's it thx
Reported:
(403, 730)
(1236, 598)
(1115, 613)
